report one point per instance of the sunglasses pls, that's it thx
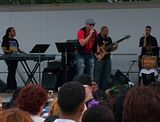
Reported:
(91, 24)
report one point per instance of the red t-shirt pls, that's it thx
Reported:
(87, 48)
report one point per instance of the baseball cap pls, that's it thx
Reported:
(90, 21)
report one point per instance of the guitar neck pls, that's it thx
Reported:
(118, 41)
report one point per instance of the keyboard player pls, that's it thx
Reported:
(10, 46)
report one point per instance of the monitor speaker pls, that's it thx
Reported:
(120, 78)
(49, 78)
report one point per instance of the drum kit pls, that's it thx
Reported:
(149, 62)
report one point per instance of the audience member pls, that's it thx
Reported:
(47, 106)
(32, 98)
(100, 113)
(54, 108)
(12, 102)
(51, 118)
(1, 99)
(93, 94)
(71, 98)
(85, 79)
(118, 108)
(15, 115)
(142, 104)
(98, 93)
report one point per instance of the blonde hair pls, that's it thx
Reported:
(15, 115)
(103, 29)
(54, 108)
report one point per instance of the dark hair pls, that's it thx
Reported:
(51, 118)
(85, 79)
(101, 113)
(31, 98)
(70, 96)
(7, 32)
(118, 108)
(149, 27)
(142, 104)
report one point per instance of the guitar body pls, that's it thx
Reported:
(102, 52)
(104, 49)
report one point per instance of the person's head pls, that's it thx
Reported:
(104, 31)
(142, 104)
(32, 98)
(101, 113)
(90, 23)
(84, 79)
(94, 87)
(71, 97)
(10, 32)
(148, 30)
(15, 115)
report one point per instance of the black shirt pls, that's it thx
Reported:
(151, 41)
(101, 40)
(10, 44)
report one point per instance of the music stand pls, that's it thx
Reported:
(64, 48)
(40, 48)
(74, 42)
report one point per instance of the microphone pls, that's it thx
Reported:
(133, 60)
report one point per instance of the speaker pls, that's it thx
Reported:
(2, 86)
(49, 78)
(120, 78)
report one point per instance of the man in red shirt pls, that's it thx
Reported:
(84, 56)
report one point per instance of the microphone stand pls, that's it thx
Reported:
(127, 74)
(39, 63)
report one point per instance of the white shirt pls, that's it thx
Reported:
(64, 120)
(148, 71)
(37, 118)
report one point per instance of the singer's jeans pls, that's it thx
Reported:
(85, 63)
(102, 72)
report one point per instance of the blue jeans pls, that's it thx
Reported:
(102, 72)
(85, 63)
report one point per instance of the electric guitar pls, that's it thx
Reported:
(105, 49)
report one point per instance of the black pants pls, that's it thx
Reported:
(11, 78)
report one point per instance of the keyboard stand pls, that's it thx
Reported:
(30, 73)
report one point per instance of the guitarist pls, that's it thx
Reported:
(102, 68)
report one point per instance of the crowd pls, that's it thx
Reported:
(82, 100)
